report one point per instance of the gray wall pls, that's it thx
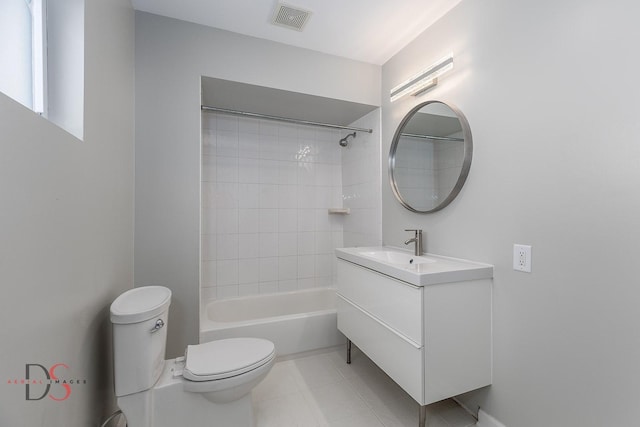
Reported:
(550, 91)
(171, 56)
(67, 224)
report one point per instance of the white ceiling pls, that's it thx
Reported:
(365, 30)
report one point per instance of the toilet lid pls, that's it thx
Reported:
(220, 359)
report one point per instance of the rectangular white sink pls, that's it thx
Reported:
(427, 269)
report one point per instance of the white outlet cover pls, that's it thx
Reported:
(522, 258)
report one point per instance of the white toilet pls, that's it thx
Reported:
(209, 386)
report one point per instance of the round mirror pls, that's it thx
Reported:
(430, 157)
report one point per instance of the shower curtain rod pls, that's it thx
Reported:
(439, 138)
(281, 119)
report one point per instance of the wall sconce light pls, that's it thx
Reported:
(424, 80)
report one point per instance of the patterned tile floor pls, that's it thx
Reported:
(321, 390)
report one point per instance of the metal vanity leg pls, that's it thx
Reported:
(422, 421)
(348, 352)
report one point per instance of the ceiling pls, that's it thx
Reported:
(371, 31)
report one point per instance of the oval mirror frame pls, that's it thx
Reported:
(466, 163)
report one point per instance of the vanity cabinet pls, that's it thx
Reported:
(434, 340)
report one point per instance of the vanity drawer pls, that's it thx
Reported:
(395, 303)
(400, 358)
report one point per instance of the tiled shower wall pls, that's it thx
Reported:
(361, 184)
(266, 190)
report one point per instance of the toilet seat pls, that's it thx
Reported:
(221, 359)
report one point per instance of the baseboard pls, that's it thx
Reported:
(486, 420)
(465, 407)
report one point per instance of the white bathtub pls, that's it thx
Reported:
(295, 321)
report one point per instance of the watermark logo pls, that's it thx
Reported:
(40, 382)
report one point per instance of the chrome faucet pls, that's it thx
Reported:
(417, 239)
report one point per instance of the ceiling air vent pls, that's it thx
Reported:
(290, 17)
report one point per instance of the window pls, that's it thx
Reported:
(23, 52)
(39, 54)
(42, 58)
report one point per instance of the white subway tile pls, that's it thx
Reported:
(227, 169)
(287, 244)
(306, 243)
(268, 287)
(208, 195)
(324, 242)
(249, 171)
(226, 196)
(287, 173)
(306, 283)
(287, 220)
(208, 293)
(306, 266)
(268, 269)
(246, 289)
(248, 246)
(249, 220)
(227, 123)
(323, 219)
(227, 291)
(288, 130)
(306, 219)
(208, 247)
(306, 197)
(227, 221)
(208, 273)
(248, 125)
(288, 149)
(269, 171)
(248, 146)
(324, 282)
(323, 265)
(209, 221)
(249, 271)
(269, 148)
(226, 144)
(227, 272)
(227, 246)
(287, 268)
(323, 197)
(209, 168)
(209, 142)
(269, 196)
(268, 220)
(287, 196)
(306, 174)
(265, 190)
(268, 127)
(287, 285)
(268, 244)
(249, 195)
(208, 121)
(323, 175)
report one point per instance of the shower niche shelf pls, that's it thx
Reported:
(339, 211)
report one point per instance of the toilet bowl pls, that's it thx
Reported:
(210, 385)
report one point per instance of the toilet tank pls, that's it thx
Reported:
(139, 318)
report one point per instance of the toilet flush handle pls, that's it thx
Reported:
(159, 324)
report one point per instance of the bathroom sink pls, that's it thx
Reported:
(395, 257)
(427, 269)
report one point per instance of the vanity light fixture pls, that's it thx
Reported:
(424, 80)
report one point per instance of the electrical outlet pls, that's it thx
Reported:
(522, 258)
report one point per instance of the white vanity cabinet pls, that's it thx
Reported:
(433, 336)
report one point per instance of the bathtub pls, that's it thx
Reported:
(295, 321)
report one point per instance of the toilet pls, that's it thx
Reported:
(209, 386)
